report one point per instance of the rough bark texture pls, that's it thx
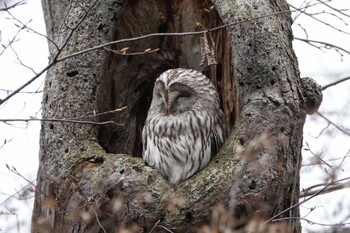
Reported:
(88, 184)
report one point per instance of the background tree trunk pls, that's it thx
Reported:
(87, 181)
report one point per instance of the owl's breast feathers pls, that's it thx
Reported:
(184, 127)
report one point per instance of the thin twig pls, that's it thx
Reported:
(335, 83)
(160, 226)
(98, 221)
(191, 33)
(5, 142)
(25, 26)
(323, 43)
(6, 8)
(18, 192)
(320, 21)
(332, 186)
(331, 122)
(14, 170)
(52, 62)
(123, 53)
(104, 113)
(328, 160)
(23, 92)
(57, 59)
(77, 120)
(337, 10)
(314, 223)
(297, 204)
(61, 120)
(155, 225)
(20, 61)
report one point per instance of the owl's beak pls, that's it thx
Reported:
(166, 104)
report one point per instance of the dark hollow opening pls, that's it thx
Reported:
(130, 78)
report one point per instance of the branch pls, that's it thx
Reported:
(61, 120)
(14, 170)
(326, 44)
(76, 120)
(17, 193)
(6, 8)
(53, 61)
(335, 9)
(22, 92)
(124, 53)
(57, 59)
(191, 33)
(25, 26)
(335, 125)
(5, 142)
(315, 223)
(335, 83)
(318, 20)
(297, 204)
(331, 187)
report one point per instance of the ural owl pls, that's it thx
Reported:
(185, 126)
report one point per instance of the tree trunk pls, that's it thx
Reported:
(91, 177)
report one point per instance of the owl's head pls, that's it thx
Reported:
(179, 90)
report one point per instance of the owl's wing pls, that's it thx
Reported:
(148, 148)
(144, 141)
(219, 133)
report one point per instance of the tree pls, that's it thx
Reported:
(88, 180)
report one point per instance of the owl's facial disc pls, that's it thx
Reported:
(181, 98)
(174, 99)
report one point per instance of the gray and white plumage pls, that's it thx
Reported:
(185, 126)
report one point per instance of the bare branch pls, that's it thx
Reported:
(329, 160)
(27, 186)
(5, 142)
(23, 92)
(124, 53)
(99, 223)
(297, 204)
(20, 62)
(27, 83)
(76, 120)
(61, 120)
(314, 223)
(325, 44)
(6, 8)
(335, 125)
(337, 10)
(25, 26)
(318, 20)
(156, 225)
(14, 39)
(51, 63)
(331, 187)
(14, 170)
(335, 83)
(191, 33)
(57, 59)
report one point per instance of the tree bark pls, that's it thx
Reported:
(91, 178)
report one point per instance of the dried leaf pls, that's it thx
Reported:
(207, 49)
(124, 49)
(198, 24)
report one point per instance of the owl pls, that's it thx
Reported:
(185, 126)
